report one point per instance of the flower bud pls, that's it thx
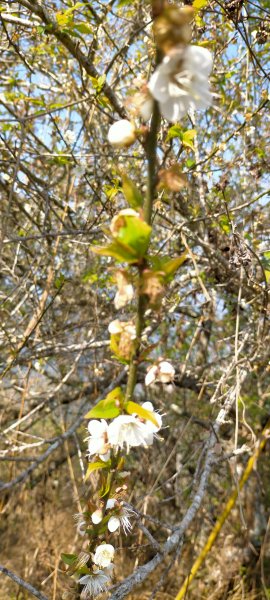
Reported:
(122, 133)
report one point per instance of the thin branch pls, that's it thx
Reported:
(22, 583)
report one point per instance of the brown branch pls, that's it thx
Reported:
(22, 583)
(74, 49)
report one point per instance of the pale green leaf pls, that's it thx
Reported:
(109, 407)
(188, 137)
(132, 194)
(199, 4)
(133, 407)
(100, 464)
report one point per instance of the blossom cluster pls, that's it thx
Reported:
(180, 82)
(125, 431)
(104, 441)
(178, 85)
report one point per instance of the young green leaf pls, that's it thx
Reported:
(82, 27)
(198, 4)
(100, 464)
(135, 235)
(133, 407)
(105, 409)
(109, 407)
(174, 132)
(132, 194)
(69, 559)
(170, 267)
(117, 250)
(188, 137)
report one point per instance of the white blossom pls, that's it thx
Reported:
(98, 440)
(180, 82)
(151, 429)
(94, 584)
(126, 430)
(121, 517)
(163, 372)
(128, 327)
(70, 136)
(113, 524)
(111, 502)
(122, 133)
(125, 290)
(96, 516)
(104, 555)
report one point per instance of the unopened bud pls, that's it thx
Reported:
(122, 133)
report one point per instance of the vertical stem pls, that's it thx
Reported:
(151, 155)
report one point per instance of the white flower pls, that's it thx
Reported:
(123, 296)
(94, 584)
(113, 524)
(125, 291)
(121, 518)
(143, 103)
(127, 430)
(122, 133)
(98, 440)
(128, 327)
(180, 82)
(163, 372)
(96, 516)
(111, 502)
(103, 555)
(151, 429)
(70, 136)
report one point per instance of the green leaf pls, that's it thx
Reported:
(109, 407)
(190, 162)
(82, 27)
(135, 235)
(98, 82)
(224, 223)
(133, 407)
(106, 487)
(132, 194)
(198, 4)
(174, 132)
(59, 281)
(117, 250)
(124, 2)
(100, 464)
(110, 191)
(188, 137)
(171, 266)
(69, 559)
(69, 11)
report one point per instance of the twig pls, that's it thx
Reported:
(59, 442)
(224, 515)
(22, 583)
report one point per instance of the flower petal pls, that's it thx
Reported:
(113, 524)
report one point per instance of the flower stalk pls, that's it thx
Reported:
(174, 87)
